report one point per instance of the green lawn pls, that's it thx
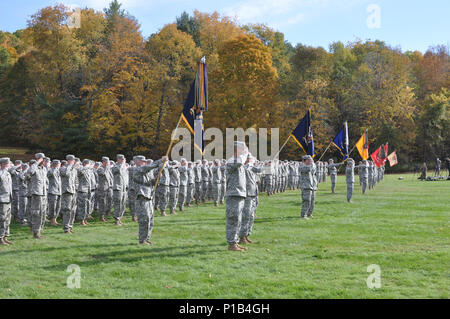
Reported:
(402, 226)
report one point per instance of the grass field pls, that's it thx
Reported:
(402, 226)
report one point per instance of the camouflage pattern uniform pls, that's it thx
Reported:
(250, 203)
(120, 173)
(5, 200)
(205, 180)
(54, 191)
(216, 182)
(350, 178)
(104, 188)
(198, 181)
(68, 198)
(174, 186)
(309, 187)
(223, 182)
(23, 192)
(15, 172)
(363, 171)
(190, 185)
(83, 191)
(333, 174)
(182, 194)
(162, 190)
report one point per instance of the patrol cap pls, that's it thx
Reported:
(39, 155)
(86, 161)
(306, 157)
(98, 163)
(217, 161)
(4, 160)
(47, 159)
(32, 162)
(105, 159)
(173, 163)
(25, 166)
(55, 161)
(183, 160)
(120, 157)
(63, 162)
(77, 159)
(18, 162)
(70, 157)
(139, 158)
(149, 161)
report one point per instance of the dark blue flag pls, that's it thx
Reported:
(341, 140)
(303, 134)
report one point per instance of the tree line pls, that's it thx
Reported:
(103, 88)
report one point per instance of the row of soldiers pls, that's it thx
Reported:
(43, 189)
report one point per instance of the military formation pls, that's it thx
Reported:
(45, 191)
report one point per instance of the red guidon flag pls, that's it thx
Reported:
(377, 158)
(392, 158)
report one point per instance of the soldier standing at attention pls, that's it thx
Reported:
(363, 171)
(205, 180)
(216, 181)
(251, 199)
(15, 172)
(23, 193)
(174, 186)
(190, 185)
(37, 188)
(104, 187)
(223, 184)
(162, 190)
(83, 192)
(308, 186)
(5, 200)
(68, 198)
(198, 181)
(333, 173)
(144, 180)
(120, 173)
(235, 195)
(131, 189)
(350, 178)
(184, 176)
(54, 192)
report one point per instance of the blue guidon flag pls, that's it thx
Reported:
(195, 104)
(303, 134)
(341, 141)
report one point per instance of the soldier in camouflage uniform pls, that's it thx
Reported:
(15, 172)
(248, 212)
(174, 186)
(162, 190)
(198, 181)
(68, 175)
(23, 193)
(184, 176)
(5, 200)
(132, 190)
(235, 195)
(223, 182)
(120, 173)
(205, 180)
(190, 185)
(350, 178)
(308, 186)
(54, 192)
(37, 188)
(268, 177)
(144, 180)
(104, 188)
(216, 182)
(333, 173)
(363, 171)
(83, 192)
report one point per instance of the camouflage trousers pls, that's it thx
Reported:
(5, 219)
(363, 185)
(162, 194)
(38, 208)
(104, 203)
(205, 187)
(182, 195)
(120, 201)
(216, 192)
(83, 205)
(54, 205)
(15, 204)
(190, 193)
(333, 182)
(291, 181)
(23, 200)
(248, 216)
(370, 181)
(350, 187)
(308, 201)
(268, 184)
(92, 201)
(210, 190)
(234, 208)
(144, 214)
(68, 210)
(223, 190)
(132, 201)
(173, 197)
(198, 192)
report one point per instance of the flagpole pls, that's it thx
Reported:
(167, 153)
(282, 147)
(325, 151)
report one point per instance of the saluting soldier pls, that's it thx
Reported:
(54, 192)
(23, 193)
(120, 174)
(190, 185)
(68, 175)
(184, 177)
(173, 186)
(15, 172)
(38, 190)
(104, 188)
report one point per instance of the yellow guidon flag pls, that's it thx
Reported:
(363, 145)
